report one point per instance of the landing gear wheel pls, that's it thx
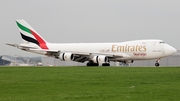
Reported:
(91, 63)
(157, 64)
(105, 64)
(95, 64)
(88, 64)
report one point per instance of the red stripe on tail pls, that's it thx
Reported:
(42, 43)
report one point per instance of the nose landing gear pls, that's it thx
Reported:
(157, 63)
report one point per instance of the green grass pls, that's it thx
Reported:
(89, 84)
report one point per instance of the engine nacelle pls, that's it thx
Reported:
(100, 59)
(66, 57)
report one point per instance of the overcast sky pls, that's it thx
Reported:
(90, 21)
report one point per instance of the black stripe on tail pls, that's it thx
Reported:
(29, 39)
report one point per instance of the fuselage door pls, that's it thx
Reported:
(158, 50)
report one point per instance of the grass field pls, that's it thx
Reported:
(89, 84)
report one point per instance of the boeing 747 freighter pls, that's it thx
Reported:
(95, 53)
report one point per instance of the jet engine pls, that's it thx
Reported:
(100, 59)
(66, 57)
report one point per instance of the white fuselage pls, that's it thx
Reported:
(134, 50)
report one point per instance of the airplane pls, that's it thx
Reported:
(94, 53)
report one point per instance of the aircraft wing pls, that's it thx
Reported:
(80, 56)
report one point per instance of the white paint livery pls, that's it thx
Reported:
(100, 53)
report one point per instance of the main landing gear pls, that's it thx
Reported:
(105, 64)
(91, 63)
(157, 63)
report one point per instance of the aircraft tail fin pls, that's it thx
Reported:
(28, 34)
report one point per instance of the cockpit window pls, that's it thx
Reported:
(161, 42)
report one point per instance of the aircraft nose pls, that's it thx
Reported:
(169, 50)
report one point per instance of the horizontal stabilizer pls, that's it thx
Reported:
(46, 50)
(13, 45)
